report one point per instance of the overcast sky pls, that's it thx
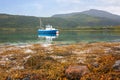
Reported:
(46, 8)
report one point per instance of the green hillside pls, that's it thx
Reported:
(91, 18)
(64, 21)
(16, 21)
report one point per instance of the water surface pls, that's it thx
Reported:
(63, 37)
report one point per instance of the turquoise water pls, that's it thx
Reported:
(90, 36)
(63, 37)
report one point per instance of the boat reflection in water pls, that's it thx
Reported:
(47, 39)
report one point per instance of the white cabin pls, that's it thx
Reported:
(49, 27)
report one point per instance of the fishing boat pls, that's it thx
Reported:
(48, 30)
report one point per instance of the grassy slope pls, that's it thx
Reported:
(75, 21)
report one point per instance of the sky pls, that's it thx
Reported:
(47, 8)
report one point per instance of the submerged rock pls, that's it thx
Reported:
(76, 72)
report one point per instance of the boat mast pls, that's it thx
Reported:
(40, 24)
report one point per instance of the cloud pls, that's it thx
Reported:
(111, 9)
(50, 7)
(112, 6)
(68, 1)
(111, 2)
(37, 6)
(33, 8)
(33, 5)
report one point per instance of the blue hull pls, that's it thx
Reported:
(44, 35)
(47, 31)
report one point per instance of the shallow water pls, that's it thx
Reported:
(63, 37)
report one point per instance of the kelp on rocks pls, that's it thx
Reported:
(35, 62)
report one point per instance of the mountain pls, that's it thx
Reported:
(18, 21)
(100, 13)
(91, 12)
(91, 18)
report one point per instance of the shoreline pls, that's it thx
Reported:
(57, 61)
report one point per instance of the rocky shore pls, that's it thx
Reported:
(82, 61)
